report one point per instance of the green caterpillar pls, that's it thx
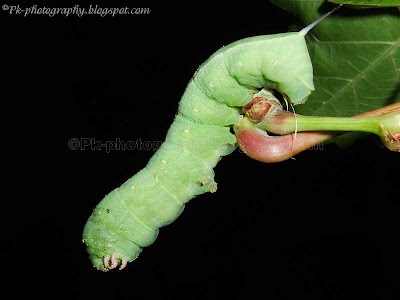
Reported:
(128, 218)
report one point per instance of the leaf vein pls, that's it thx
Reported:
(314, 43)
(396, 70)
(332, 78)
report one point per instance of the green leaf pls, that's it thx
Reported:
(355, 56)
(368, 3)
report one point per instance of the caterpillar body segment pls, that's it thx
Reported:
(129, 217)
(235, 72)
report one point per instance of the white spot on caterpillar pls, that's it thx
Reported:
(163, 161)
(187, 131)
(132, 187)
(99, 212)
(240, 63)
(210, 85)
(275, 62)
(195, 110)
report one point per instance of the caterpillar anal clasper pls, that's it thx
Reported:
(128, 218)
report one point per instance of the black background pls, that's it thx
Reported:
(323, 226)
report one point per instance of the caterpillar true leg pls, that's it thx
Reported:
(114, 262)
(123, 265)
(106, 261)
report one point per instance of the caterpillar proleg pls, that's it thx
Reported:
(129, 217)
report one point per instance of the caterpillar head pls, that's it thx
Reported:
(106, 250)
(294, 75)
(298, 83)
